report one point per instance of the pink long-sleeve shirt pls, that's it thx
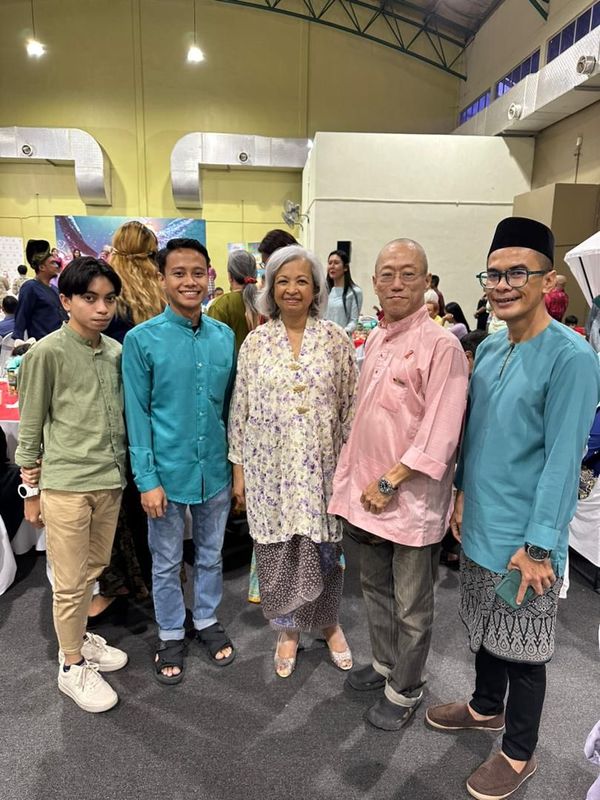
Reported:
(411, 401)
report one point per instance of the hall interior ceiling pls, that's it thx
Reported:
(434, 31)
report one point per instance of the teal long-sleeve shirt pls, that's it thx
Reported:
(531, 407)
(178, 384)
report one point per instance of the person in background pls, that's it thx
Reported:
(11, 502)
(20, 279)
(274, 240)
(393, 482)
(592, 325)
(39, 311)
(106, 253)
(134, 249)
(532, 398)
(237, 308)
(219, 292)
(455, 321)
(557, 300)
(345, 297)
(4, 285)
(481, 314)
(571, 321)
(71, 406)
(75, 254)
(9, 306)
(435, 283)
(57, 257)
(433, 310)
(178, 373)
(290, 413)
(212, 279)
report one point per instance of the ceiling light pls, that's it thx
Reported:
(35, 49)
(195, 55)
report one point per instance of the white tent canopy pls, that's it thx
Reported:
(584, 263)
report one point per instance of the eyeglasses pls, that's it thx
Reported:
(387, 276)
(516, 277)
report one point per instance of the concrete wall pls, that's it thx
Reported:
(446, 192)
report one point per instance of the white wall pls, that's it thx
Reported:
(514, 31)
(446, 192)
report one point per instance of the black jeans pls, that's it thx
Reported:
(526, 691)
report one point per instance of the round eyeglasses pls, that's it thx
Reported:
(516, 277)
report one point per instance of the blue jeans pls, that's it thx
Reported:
(165, 539)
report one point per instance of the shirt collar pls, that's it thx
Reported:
(66, 328)
(179, 320)
(417, 318)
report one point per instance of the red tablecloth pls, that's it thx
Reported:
(8, 414)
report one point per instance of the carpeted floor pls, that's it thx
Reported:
(242, 733)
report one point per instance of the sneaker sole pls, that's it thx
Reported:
(84, 706)
(441, 727)
(480, 796)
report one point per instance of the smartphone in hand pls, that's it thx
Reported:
(508, 588)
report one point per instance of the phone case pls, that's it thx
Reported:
(509, 586)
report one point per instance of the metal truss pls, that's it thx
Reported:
(541, 7)
(402, 26)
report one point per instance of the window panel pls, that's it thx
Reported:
(567, 37)
(553, 48)
(535, 61)
(525, 68)
(582, 26)
(596, 16)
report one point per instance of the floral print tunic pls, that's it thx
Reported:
(288, 420)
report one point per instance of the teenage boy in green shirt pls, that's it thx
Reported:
(71, 405)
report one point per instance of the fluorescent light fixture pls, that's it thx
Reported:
(195, 55)
(35, 49)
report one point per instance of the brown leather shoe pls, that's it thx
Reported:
(495, 779)
(456, 717)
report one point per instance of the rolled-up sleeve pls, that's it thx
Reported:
(436, 440)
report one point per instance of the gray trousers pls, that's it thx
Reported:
(397, 583)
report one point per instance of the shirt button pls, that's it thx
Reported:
(198, 364)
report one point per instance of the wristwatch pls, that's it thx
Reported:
(27, 491)
(536, 553)
(385, 487)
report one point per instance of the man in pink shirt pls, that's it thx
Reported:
(393, 482)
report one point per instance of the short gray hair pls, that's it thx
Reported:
(266, 300)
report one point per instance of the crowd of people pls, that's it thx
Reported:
(137, 407)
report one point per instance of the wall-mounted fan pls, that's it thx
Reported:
(291, 214)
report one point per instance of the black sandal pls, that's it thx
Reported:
(214, 639)
(170, 654)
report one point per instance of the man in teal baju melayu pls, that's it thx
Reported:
(532, 398)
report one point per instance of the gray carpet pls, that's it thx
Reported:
(242, 733)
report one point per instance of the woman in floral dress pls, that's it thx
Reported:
(290, 414)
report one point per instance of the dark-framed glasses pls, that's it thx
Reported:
(406, 276)
(516, 277)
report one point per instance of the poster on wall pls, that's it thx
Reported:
(91, 234)
(11, 255)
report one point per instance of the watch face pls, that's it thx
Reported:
(385, 487)
(537, 553)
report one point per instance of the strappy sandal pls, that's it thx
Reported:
(285, 666)
(342, 659)
(214, 639)
(169, 654)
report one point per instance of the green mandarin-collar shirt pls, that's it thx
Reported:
(178, 382)
(71, 408)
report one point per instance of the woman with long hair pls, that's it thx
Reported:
(237, 308)
(134, 249)
(345, 297)
(455, 320)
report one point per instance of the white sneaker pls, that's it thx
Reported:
(108, 659)
(83, 684)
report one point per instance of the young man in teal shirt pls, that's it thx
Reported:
(178, 373)
(532, 397)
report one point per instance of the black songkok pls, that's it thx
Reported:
(524, 232)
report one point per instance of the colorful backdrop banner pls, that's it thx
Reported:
(91, 234)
